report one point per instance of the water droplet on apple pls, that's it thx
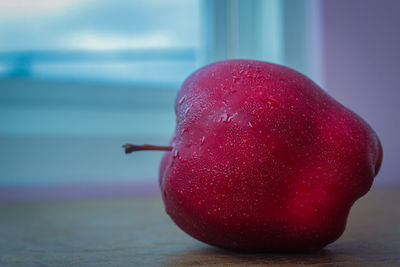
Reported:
(177, 156)
(223, 117)
(184, 130)
(230, 117)
(251, 124)
(203, 138)
(187, 109)
(182, 100)
(272, 102)
(227, 117)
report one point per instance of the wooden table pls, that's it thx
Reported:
(137, 232)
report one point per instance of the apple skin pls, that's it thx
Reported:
(264, 160)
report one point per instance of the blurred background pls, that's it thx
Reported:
(79, 78)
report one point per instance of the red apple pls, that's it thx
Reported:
(263, 159)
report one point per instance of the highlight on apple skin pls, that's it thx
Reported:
(264, 160)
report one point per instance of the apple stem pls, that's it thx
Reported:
(131, 148)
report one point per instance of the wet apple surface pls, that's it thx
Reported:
(264, 160)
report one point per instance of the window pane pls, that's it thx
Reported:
(99, 40)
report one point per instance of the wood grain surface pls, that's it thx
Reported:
(137, 232)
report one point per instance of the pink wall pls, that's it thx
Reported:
(362, 59)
